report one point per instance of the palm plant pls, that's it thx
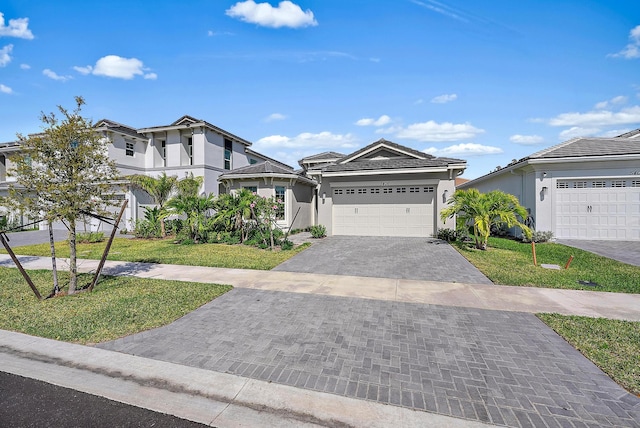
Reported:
(195, 208)
(232, 211)
(160, 189)
(483, 210)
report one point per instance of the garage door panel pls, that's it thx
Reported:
(611, 212)
(405, 210)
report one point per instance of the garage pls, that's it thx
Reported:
(601, 209)
(401, 210)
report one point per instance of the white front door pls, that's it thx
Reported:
(384, 210)
(606, 209)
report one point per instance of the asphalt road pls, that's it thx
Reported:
(30, 403)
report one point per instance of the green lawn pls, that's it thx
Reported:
(509, 262)
(117, 307)
(612, 345)
(165, 251)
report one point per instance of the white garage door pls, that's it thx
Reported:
(604, 209)
(383, 211)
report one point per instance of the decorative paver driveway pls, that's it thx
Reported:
(385, 257)
(506, 368)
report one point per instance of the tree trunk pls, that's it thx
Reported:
(73, 267)
(163, 231)
(56, 286)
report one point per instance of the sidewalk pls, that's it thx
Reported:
(506, 298)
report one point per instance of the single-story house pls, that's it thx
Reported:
(584, 188)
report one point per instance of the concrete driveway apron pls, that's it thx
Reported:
(623, 251)
(505, 368)
(385, 257)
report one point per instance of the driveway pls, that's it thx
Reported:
(385, 257)
(505, 368)
(18, 239)
(623, 251)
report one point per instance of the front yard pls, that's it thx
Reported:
(509, 262)
(118, 306)
(167, 252)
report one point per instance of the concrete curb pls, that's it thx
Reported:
(203, 396)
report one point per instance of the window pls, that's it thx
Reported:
(228, 150)
(280, 194)
(350, 191)
(253, 189)
(598, 184)
(428, 189)
(337, 191)
(129, 149)
(635, 183)
(253, 161)
(362, 191)
(163, 152)
(190, 150)
(387, 190)
(414, 190)
(562, 185)
(579, 184)
(401, 190)
(618, 183)
(375, 190)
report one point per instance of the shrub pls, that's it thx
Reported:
(90, 237)
(318, 231)
(146, 229)
(539, 236)
(286, 245)
(447, 234)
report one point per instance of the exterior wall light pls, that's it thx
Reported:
(445, 194)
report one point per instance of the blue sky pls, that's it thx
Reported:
(487, 82)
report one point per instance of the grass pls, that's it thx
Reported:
(509, 262)
(117, 307)
(166, 251)
(612, 345)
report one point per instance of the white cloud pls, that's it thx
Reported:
(150, 76)
(287, 14)
(25, 66)
(464, 149)
(16, 28)
(307, 140)
(620, 99)
(577, 131)
(614, 132)
(53, 75)
(526, 139)
(434, 131)
(83, 70)
(418, 102)
(5, 55)
(5, 89)
(445, 98)
(118, 67)
(381, 121)
(212, 33)
(598, 118)
(275, 116)
(632, 50)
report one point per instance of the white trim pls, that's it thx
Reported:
(384, 172)
(384, 183)
(376, 147)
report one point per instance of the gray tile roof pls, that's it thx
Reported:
(266, 167)
(421, 155)
(582, 147)
(118, 127)
(393, 164)
(324, 155)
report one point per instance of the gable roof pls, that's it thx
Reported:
(322, 156)
(391, 146)
(110, 125)
(266, 158)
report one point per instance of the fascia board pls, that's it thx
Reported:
(383, 172)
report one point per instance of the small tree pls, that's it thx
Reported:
(160, 189)
(62, 173)
(483, 210)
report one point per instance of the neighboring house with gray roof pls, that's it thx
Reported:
(584, 188)
(383, 189)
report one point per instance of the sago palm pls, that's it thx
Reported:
(159, 188)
